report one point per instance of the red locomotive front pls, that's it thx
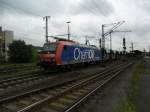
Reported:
(48, 54)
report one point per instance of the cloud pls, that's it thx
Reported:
(94, 7)
(34, 7)
(58, 7)
(24, 17)
(145, 4)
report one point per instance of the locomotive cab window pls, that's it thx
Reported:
(50, 47)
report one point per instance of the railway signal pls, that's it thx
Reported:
(124, 45)
(124, 40)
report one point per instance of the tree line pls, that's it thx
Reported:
(19, 52)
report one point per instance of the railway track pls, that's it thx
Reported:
(63, 97)
(16, 68)
(23, 79)
(19, 74)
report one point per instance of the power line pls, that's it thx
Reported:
(115, 25)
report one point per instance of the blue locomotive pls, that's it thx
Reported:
(67, 53)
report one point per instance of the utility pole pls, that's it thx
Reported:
(46, 27)
(68, 30)
(132, 47)
(100, 43)
(110, 42)
(103, 37)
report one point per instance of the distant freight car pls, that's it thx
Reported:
(67, 53)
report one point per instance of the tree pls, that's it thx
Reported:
(20, 52)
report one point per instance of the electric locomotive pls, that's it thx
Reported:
(64, 53)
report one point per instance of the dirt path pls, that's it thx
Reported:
(144, 92)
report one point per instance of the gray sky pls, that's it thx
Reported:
(25, 18)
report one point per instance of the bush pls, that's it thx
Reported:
(20, 52)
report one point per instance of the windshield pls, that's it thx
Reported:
(50, 47)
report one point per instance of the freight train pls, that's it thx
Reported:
(67, 53)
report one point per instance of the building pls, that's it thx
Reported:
(6, 38)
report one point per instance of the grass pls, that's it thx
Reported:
(129, 104)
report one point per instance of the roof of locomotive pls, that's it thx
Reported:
(70, 43)
(64, 41)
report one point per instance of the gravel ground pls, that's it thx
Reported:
(108, 99)
(144, 92)
(51, 81)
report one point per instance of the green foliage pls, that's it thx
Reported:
(35, 57)
(19, 52)
(126, 106)
(2, 59)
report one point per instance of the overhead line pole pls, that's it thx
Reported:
(100, 43)
(110, 42)
(103, 37)
(68, 30)
(46, 27)
(132, 47)
(116, 25)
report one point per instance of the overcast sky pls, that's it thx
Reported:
(25, 18)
